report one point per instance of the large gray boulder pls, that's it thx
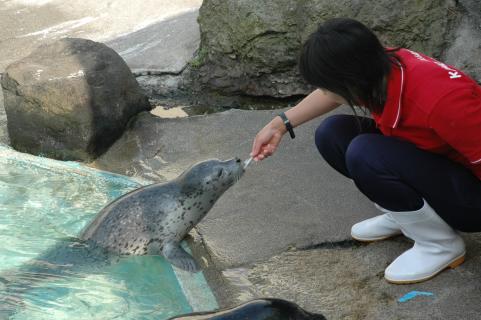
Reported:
(70, 99)
(251, 47)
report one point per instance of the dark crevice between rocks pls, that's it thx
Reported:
(263, 34)
(220, 103)
(185, 88)
(198, 101)
(343, 244)
(159, 73)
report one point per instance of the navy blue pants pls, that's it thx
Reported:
(397, 175)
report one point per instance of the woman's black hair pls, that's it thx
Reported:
(345, 57)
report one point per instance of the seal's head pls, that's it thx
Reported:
(213, 175)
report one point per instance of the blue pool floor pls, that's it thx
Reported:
(44, 201)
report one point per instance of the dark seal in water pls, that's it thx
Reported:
(260, 309)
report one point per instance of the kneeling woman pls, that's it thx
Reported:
(418, 158)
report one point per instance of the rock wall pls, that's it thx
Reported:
(251, 47)
(464, 49)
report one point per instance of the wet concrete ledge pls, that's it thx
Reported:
(348, 283)
(268, 238)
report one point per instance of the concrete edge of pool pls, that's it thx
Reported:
(195, 288)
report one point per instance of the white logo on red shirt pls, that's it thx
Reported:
(453, 74)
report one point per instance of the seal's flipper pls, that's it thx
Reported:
(176, 255)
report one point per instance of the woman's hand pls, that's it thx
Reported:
(268, 139)
(315, 104)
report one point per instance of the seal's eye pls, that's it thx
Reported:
(220, 173)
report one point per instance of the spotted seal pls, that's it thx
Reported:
(259, 309)
(149, 220)
(155, 218)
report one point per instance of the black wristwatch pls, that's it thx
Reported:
(288, 124)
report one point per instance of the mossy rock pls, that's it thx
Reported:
(251, 47)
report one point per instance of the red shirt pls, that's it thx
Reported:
(434, 106)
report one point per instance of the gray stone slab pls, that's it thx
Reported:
(166, 46)
(16, 22)
(348, 283)
(24, 25)
(292, 199)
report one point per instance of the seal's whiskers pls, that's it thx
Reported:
(237, 178)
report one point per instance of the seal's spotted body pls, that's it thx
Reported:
(154, 219)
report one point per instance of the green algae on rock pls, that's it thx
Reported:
(251, 47)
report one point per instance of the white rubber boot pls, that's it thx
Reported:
(436, 247)
(375, 229)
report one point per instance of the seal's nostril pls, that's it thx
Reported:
(238, 160)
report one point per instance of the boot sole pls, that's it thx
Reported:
(453, 264)
(365, 240)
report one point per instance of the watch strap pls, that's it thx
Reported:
(288, 124)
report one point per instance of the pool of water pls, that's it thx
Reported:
(43, 202)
